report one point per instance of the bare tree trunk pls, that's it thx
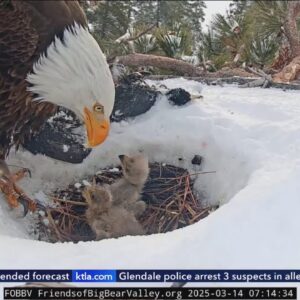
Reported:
(104, 21)
(158, 3)
(162, 62)
(290, 27)
(290, 72)
(238, 54)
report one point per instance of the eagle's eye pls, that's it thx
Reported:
(98, 108)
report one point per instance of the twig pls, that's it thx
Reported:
(69, 201)
(52, 222)
(141, 33)
(263, 81)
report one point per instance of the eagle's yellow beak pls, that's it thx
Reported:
(97, 127)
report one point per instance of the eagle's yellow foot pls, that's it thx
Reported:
(20, 174)
(14, 194)
(7, 189)
(27, 203)
(11, 195)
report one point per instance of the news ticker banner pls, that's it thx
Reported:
(149, 276)
(149, 293)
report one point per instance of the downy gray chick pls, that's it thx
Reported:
(106, 219)
(126, 191)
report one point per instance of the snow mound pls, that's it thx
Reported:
(249, 137)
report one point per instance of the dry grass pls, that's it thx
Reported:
(171, 204)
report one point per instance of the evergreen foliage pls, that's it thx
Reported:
(250, 31)
(111, 19)
(251, 28)
(174, 44)
(262, 51)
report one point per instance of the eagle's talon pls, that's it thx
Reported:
(20, 174)
(26, 170)
(40, 206)
(28, 204)
(25, 205)
(14, 194)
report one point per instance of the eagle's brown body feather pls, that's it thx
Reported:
(27, 28)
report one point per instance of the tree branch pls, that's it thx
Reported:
(127, 38)
(142, 33)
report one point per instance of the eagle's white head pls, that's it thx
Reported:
(75, 74)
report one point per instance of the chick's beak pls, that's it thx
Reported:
(97, 127)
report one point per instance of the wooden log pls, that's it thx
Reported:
(162, 62)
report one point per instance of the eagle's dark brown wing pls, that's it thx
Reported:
(27, 28)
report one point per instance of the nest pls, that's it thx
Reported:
(171, 204)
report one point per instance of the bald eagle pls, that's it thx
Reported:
(49, 58)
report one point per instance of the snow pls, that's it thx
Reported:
(249, 137)
(86, 183)
(114, 170)
(77, 185)
(66, 148)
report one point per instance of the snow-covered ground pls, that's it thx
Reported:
(250, 137)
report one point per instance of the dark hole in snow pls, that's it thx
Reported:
(168, 193)
(132, 100)
(197, 160)
(178, 96)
